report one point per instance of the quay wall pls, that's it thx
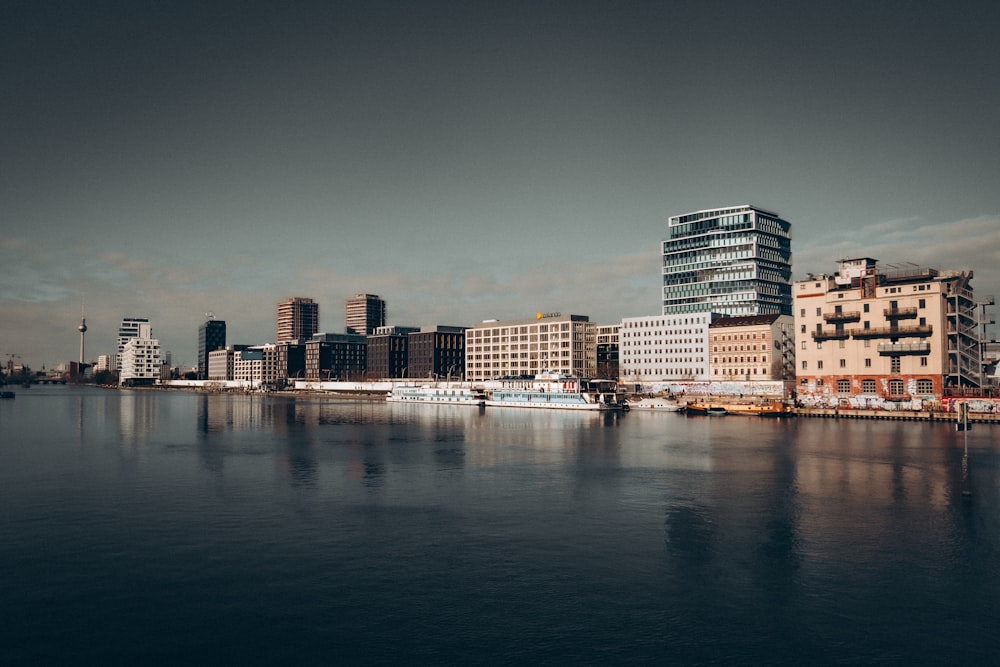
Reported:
(898, 415)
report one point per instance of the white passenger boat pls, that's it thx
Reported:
(450, 393)
(659, 404)
(554, 391)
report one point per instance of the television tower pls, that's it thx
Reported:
(83, 331)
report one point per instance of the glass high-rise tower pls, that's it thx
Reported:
(733, 261)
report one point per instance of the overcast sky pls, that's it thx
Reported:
(467, 160)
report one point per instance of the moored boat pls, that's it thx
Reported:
(554, 391)
(657, 404)
(705, 409)
(431, 393)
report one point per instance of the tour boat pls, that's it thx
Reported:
(432, 393)
(554, 391)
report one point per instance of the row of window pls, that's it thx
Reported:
(896, 387)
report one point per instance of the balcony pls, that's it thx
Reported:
(852, 316)
(900, 349)
(900, 313)
(820, 336)
(920, 330)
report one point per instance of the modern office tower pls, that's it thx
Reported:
(330, 356)
(141, 361)
(388, 352)
(869, 335)
(298, 319)
(211, 336)
(663, 348)
(752, 348)
(731, 261)
(127, 330)
(554, 342)
(363, 313)
(437, 352)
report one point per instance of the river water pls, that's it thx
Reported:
(147, 527)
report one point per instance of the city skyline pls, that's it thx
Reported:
(467, 161)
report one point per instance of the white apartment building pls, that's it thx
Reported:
(127, 330)
(256, 366)
(554, 342)
(664, 348)
(141, 360)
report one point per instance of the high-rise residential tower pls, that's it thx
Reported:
(363, 313)
(127, 330)
(733, 261)
(298, 319)
(211, 336)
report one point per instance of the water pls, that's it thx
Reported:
(151, 527)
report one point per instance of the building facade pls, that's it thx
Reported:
(752, 348)
(297, 319)
(257, 366)
(141, 363)
(330, 356)
(211, 336)
(554, 342)
(221, 363)
(363, 313)
(732, 261)
(608, 351)
(886, 335)
(664, 348)
(388, 352)
(292, 360)
(437, 352)
(127, 330)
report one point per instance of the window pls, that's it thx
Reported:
(803, 328)
(843, 363)
(923, 361)
(894, 365)
(925, 386)
(868, 363)
(805, 365)
(803, 345)
(922, 303)
(866, 307)
(819, 364)
(803, 312)
(868, 386)
(819, 312)
(896, 387)
(843, 386)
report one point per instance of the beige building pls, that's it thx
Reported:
(885, 334)
(752, 348)
(548, 342)
(297, 319)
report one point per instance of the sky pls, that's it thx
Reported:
(467, 160)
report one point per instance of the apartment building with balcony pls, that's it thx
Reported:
(554, 342)
(887, 333)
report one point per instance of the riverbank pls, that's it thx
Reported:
(897, 415)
